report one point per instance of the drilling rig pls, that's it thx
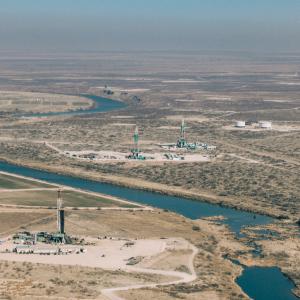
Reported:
(135, 151)
(60, 214)
(181, 142)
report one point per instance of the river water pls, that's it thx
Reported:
(235, 219)
(100, 105)
(260, 283)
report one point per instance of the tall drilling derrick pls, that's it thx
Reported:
(182, 129)
(181, 142)
(136, 149)
(60, 214)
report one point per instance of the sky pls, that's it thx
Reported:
(146, 25)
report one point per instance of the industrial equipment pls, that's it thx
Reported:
(135, 151)
(60, 214)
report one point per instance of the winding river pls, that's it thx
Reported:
(100, 105)
(260, 283)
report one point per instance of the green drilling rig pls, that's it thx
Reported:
(181, 142)
(135, 151)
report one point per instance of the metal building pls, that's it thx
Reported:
(265, 124)
(240, 124)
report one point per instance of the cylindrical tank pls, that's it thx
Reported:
(265, 124)
(240, 124)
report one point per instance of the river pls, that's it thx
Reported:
(100, 105)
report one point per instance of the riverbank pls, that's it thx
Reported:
(203, 196)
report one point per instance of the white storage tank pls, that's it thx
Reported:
(240, 124)
(265, 124)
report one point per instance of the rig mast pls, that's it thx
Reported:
(136, 140)
(60, 214)
(135, 151)
(181, 142)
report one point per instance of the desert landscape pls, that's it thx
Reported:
(208, 159)
(252, 160)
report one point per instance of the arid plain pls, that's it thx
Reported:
(252, 168)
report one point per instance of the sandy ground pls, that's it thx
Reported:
(145, 294)
(122, 117)
(11, 219)
(112, 293)
(41, 102)
(113, 255)
(187, 118)
(135, 90)
(275, 127)
(187, 100)
(181, 81)
(123, 124)
(112, 156)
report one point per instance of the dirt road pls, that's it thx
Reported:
(182, 278)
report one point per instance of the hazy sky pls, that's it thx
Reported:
(71, 25)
